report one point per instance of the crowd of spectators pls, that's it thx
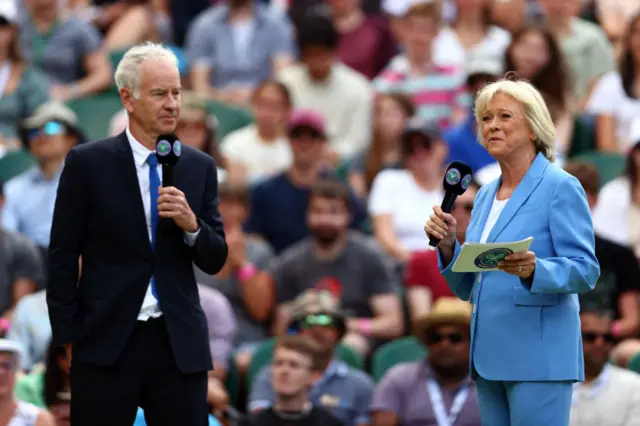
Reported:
(356, 108)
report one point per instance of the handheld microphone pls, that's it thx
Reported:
(456, 181)
(168, 150)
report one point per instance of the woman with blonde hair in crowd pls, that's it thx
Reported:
(392, 111)
(526, 338)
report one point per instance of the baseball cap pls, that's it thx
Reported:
(307, 118)
(50, 111)
(11, 347)
(9, 10)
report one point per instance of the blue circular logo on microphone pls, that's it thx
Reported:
(177, 148)
(163, 148)
(466, 181)
(453, 176)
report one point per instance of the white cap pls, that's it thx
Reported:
(9, 10)
(9, 346)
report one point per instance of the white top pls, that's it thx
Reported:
(396, 193)
(494, 214)
(26, 414)
(344, 100)
(261, 159)
(613, 399)
(150, 308)
(609, 98)
(448, 50)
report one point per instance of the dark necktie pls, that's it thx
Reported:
(154, 184)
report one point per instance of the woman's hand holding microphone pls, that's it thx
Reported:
(442, 225)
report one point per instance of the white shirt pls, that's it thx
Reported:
(26, 414)
(396, 193)
(609, 98)
(261, 159)
(150, 308)
(494, 214)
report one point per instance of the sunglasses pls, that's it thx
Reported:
(591, 337)
(302, 132)
(52, 128)
(4, 22)
(435, 338)
(322, 320)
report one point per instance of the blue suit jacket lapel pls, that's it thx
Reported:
(519, 196)
(483, 209)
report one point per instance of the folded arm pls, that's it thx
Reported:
(574, 268)
(67, 237)
(209, 250)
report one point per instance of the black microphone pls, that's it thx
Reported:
(456, 181)
(168, 150)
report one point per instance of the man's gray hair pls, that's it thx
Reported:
(128, 71)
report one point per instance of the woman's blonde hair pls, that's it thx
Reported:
(535, 111)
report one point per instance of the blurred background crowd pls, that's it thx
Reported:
(331, 122)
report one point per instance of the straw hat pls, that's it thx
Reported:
(446, 311)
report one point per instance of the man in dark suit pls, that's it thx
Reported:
(133, 320)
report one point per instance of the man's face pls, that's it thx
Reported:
(318, 60)
(448, 347)
(597, 340)
(50, 142)
(327, 218)
(321, 329)
(158, 106)
(291, 372)
(341, 7)
(8, 368)
(235, 4)
(419, 33)
(307, 147)
(462, 212)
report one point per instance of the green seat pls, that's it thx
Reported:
(610, 165)
(229, 118)
(634, 363)
(407, 349)
(262, 357)
(15, 163)
(232, 381)
(95, 113)
(583, 139)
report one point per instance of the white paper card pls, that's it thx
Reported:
(477, 257)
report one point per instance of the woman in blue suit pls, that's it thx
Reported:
(526, 349)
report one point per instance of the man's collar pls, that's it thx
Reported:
(427, 373)
(259, 12)
(38, 177)
(140, 152)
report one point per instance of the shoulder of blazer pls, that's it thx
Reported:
(102, 146)
(553, 176)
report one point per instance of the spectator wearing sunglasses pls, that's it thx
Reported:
(49, 134)
(609, 395)
(279, 204)
(437, 390)
(344, 391)
(424, 283)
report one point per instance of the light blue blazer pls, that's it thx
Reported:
(531, 331)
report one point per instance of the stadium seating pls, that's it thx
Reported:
(407, 349)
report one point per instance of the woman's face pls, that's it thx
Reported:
(634, 39)
(505, 129)
(270, 107)
(390, 118)
(192, 128)
(530, 54)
